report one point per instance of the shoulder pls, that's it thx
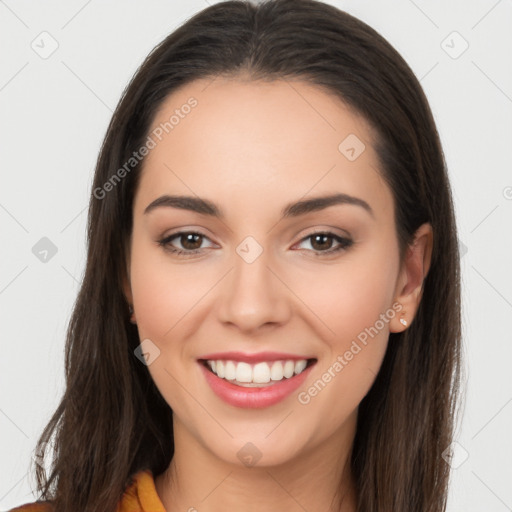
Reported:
(140, 495)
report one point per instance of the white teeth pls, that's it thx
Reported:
(243, 372)
(288, 369)
(299, 366)
(276, 372)
(220, 368)
(229, 370)
(260, 373)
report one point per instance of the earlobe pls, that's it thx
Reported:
(133, 320)
(129, 299)
(127, 291)
(412, 275)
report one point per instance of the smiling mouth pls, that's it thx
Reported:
(261, 374)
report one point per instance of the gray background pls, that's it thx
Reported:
(55, 109)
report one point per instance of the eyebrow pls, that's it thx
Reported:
(206, 207)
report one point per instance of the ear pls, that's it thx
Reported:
(127, 288)
(409, 287)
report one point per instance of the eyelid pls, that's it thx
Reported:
(333, 231)
(168, 233)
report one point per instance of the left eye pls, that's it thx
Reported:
(323, 242)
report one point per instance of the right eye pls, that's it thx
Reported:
(190, 242)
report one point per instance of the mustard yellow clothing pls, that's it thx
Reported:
(140, 496)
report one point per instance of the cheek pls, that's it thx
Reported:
(163, 293)
(346, 371)
(348, 297)
(166, 297)
(358, 328)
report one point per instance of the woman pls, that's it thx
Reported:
(270, 313)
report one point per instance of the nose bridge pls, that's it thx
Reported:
(252, 295)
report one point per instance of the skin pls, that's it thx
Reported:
(252, 148)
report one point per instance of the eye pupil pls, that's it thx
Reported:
(320, 241)
(190, 239)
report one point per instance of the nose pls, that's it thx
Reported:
(253, 297)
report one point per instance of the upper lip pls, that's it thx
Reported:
(253, 358)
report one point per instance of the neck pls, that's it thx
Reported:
(318, 479)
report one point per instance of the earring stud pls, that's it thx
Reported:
(403, 321)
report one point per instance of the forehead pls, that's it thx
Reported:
(255, 140)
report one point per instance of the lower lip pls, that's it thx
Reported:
(254, 398)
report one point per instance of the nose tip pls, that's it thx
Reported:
(252, 297)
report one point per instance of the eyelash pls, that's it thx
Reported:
(344, 243)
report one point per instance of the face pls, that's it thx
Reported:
(264, 269)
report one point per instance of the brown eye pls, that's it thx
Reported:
(321, 241)
(191, 241)
(185, 243)
(326, 243)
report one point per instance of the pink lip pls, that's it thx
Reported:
(253, 358)
(253, 398)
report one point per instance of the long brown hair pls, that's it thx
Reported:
(112, 421)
